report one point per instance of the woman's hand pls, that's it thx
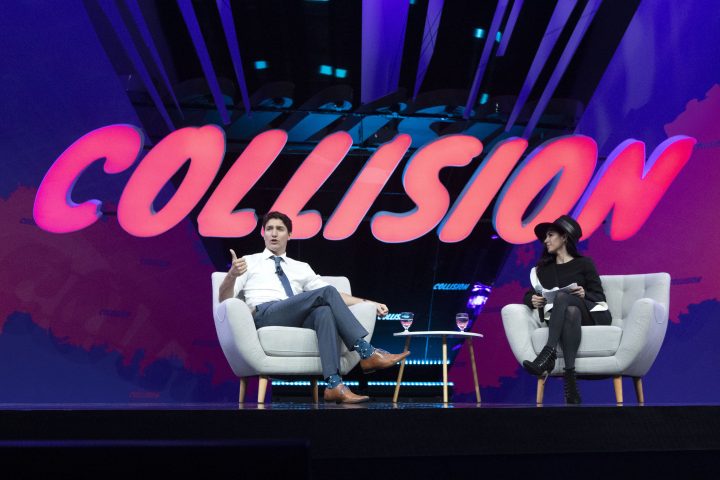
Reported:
(579, 291)
(538, 301)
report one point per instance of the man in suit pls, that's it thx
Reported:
(281, 291)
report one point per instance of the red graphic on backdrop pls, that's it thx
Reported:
(99, 288)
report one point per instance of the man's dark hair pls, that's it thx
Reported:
(280, 216)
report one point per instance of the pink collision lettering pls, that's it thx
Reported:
(218, 217)
(422, 184)
(54, 211)
(203, 148)
(552, 179)
(626, 189)
(365, 188)
(565, 164)
(480, 190)
(307, 180)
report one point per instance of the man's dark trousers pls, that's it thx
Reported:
(322, 310)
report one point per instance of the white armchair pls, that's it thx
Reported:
(639, 306)
(281, 351)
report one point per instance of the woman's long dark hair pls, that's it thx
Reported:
(547, 258)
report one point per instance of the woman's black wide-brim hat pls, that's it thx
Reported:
(565, 223)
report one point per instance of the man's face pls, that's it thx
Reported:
(276, 236)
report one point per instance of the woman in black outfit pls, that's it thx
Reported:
(559, 266)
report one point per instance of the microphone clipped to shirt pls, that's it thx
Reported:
(283, 278)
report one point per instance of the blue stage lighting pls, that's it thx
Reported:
(479, 33)
(484, 98)
(498, 37)
(326, 70)
(355, 383)
(340, 73)
(387, 383)
(426, 362)
(261, 65)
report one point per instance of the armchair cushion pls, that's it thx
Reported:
(288, 342)
(597, 341)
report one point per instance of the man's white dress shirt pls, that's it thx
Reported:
(261, 284)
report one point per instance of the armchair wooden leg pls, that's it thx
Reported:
(637, 381)
(262, 388)
(617, 383)
(243, 387)
(540, 390)
(316, 397)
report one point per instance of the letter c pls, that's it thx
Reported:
(54, 211)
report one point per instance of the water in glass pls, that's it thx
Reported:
(461, 320)
(406, 319)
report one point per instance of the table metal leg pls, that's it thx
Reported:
(400, 373)
(474, 369)
(444, 366)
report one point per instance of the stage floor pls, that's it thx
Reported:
(416, 439)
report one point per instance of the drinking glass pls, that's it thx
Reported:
(406, 319)
(461, 320)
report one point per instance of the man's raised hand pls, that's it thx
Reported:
(238, 266)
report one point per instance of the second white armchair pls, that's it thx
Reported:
(639, 305)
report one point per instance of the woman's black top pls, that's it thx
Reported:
(580, 270)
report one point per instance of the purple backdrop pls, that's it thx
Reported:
(99, 316)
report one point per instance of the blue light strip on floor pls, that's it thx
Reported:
(425, 362)
(352, 383)
(409, 384)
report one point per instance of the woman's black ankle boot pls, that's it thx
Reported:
(543, 364)
(572, 394)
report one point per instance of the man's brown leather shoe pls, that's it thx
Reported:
(342, 394)
(381, 359)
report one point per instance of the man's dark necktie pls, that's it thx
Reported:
(283, 278)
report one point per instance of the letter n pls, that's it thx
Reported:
(627, 190)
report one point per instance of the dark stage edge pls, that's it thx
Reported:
(412, 440)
